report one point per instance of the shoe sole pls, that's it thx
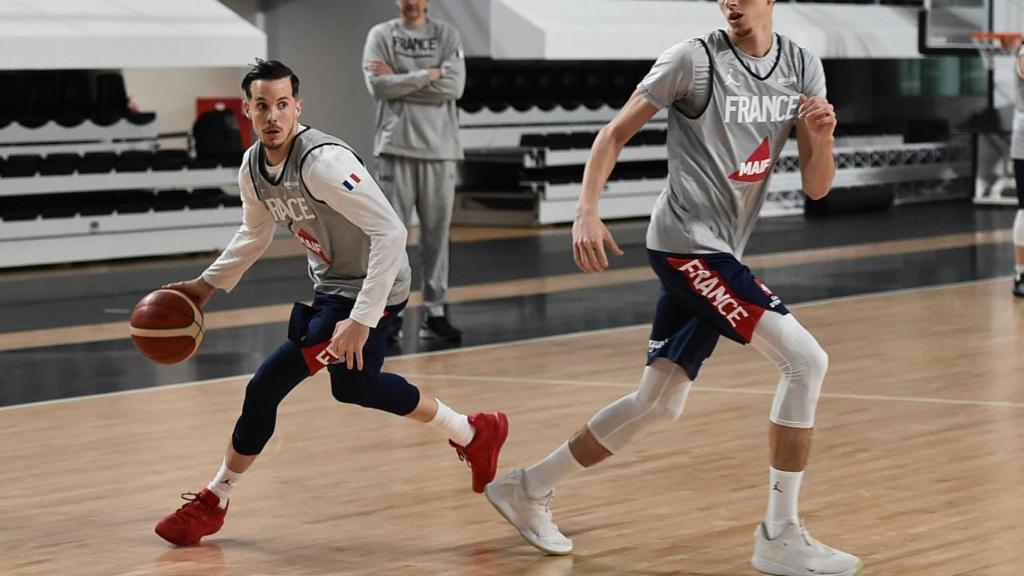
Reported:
(172, 541)
(774, 569)
(502, 436)
(183, 543)
(188, 542)
(521, 533)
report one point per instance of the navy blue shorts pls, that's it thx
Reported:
(304, 354)
(704, 296)
(311, 327)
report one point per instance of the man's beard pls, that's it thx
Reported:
(278, 145)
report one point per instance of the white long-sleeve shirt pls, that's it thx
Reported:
(326, 197)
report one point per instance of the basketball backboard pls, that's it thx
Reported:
(946, 26)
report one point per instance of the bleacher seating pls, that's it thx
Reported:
(527, 128)
(97, 163)
(59, 164)
(76, 163)
(522, 85)
(76, 101)
(67, 98)
(20, 165)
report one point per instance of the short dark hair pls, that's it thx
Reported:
(269, 70)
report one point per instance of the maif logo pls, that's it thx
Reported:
(756, 167)
(312, 244)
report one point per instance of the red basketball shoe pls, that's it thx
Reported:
(482, 452)
(200, 516)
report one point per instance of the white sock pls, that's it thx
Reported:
(783, 493)
(1018, 236)
(540, 479)
(223, 482)
(456, 426)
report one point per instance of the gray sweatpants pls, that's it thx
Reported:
(428, 186)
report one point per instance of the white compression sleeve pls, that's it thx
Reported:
(661, 396)
(802, 363)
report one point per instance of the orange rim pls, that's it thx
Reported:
(1007, 40)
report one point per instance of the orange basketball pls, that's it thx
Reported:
(167, 327)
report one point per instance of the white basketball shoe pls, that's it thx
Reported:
(794, 553)
(531, 516)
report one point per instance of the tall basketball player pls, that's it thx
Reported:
(1017, 154)
(316, 186)
(733, 97)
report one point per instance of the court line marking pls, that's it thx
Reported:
(286, 247)
(718, 389)
(124, 392)
(600, 331)
(613, 329)
(559, 283)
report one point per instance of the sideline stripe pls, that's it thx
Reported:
(750, 391)
(124, 392)
(526, 341)
(512, 288)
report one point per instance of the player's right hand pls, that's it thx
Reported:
(197, 289)
(589, 238)
(347, 342)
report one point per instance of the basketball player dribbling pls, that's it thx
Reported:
(733, 98)
(316, 186)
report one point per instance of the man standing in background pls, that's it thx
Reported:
(1017, 154)
(414, 68)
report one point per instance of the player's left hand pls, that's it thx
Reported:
(348, 341)
(590, 236)
(818, 116)
(380, 68)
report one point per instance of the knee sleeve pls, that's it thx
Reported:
(1018, 229)
(380, 391)
(275, 378)
(660, 397)
(802, 364)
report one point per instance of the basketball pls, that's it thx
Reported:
(167, 327)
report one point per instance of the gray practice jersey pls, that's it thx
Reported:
(338, 251)
(1017, 144)
(416, 118)
(722, 146)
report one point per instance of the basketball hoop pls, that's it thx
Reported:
(991, 44)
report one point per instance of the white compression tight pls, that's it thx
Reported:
(664, 386)
(802, 363)
(660, 398)
(1018, 229)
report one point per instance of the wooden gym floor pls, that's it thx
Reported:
(916, 464)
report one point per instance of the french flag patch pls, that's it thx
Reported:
(349, 183)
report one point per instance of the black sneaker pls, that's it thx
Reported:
(1018, 285)
(439, 328)
(394, 328)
